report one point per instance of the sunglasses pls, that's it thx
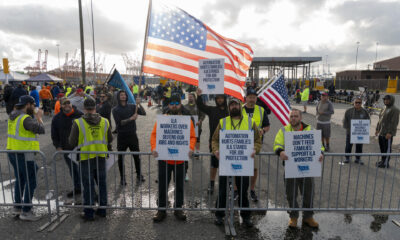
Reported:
(357, 102)
(67, 102)
(174, 103)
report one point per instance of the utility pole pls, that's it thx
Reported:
(82, 43)
(358, 44)
(94, 49)
(376, 52)
(58, 54)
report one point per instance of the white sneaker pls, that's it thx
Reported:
(29, 216)
(16, 211)
(187, 178)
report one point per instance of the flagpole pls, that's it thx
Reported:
(109, 74)
(144, 45)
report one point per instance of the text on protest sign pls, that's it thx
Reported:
(211, 76)
(173, 137)
(303, 149)
(359, 131)
(236, 147)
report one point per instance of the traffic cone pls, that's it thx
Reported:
(149, 103)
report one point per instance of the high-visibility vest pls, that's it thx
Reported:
(279, 142)
(305, 94)
(135, 89)
(18, 138)
(92, 138)
(68, 91)
(168, 93)
(245, 124)
(88, 87)
(258, 115)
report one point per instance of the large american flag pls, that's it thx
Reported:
(176, 42)
(277, 99)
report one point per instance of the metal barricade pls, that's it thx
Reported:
(21, 176)
(134, 194)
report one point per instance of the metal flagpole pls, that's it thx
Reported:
(82, 43)
(144, 45)
(94, 49)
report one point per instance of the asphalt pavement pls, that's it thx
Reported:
(341, 186)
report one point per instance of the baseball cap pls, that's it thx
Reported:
(251, 91)
(23, 100)
(234, 100)
(324, 94)
(89, 104)
(175, 97)
(79, 90)
(386, 97)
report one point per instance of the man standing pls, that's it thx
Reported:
(77, 98)
(92, 133)
(386, 129)
(35, 94)
(135, 90)
(16, 94)
(355, 113)
(260, 118)
(324, 111)
(8, 90)
(235, 121)
(60, 130)
(46, 97)
(21, 136)
(304, 97)
(166, 167)
(293, 185)
(125, 115)
(194, 111)
(214, 115)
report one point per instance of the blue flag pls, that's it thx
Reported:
(117, 81)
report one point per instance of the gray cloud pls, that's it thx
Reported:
(62, 25)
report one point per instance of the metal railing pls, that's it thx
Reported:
(342, 187)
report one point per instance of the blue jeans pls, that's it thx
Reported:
(25, 175)
(73, 172)
(94, 170)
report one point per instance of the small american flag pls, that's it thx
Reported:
(277, 99)
(176, 41)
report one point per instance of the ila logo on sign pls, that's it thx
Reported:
(237, 167)
(173, 151)
(303, 168)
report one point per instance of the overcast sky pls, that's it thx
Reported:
(273, 28)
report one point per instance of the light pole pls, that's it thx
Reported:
(358, 44)
(376, 52)
(58, 54)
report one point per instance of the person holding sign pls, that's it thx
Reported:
(260, 117)
(293, 185)
(355, 113)
(386, 129)
(214, 115)
(166, 167)
(235, 121)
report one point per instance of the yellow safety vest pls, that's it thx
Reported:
(258, 115)
(168, 93)
(245, 124)
(68, 91)
(305, 94)
(279, 142)
(92, 138)
(18, 138)
(135, 89)
(88, 87)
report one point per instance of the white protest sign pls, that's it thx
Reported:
(211, 76)
(196, 128)
(303, 149)
(235, 149)
(173, 137)
(359, 131)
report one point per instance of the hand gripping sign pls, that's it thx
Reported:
(173, 137)
(359, 131)
(303, 149)
(236, 147)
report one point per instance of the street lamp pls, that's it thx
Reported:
(358, 44)
(376, 53)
